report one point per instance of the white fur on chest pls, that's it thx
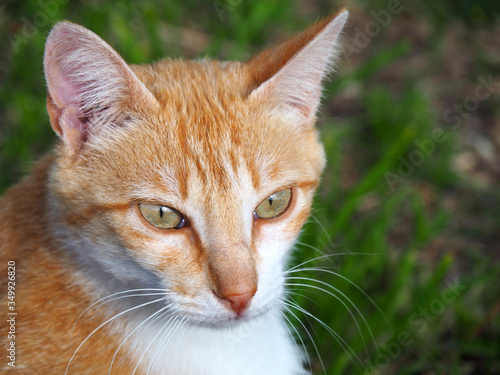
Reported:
(261, 346)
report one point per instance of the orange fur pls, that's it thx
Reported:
(49, 297)
(186, 134)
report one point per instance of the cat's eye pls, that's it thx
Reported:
(162, 217)
(274, 205)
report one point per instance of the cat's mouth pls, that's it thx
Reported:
(223, 320)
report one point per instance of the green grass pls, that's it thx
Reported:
(392, 246)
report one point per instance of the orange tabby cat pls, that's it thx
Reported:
(153, 240)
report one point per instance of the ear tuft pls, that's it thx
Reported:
(289, 76)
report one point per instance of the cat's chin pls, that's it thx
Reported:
(224, 322)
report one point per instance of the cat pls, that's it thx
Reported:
(154, 238)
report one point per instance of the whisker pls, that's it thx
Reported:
(327, 256)
(288, 303)
(343, 304)
(290, 291)
(317, 250)
(67, 245)
(115, 294)
(322, 227)
(310, 246)
(350, 282)
(172, 318)
(163, 344)
(283, 317)
(165, 339)
(352, 355)
(106, 322)
(167, 307)
(180, 337)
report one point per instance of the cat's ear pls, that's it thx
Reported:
(89, 84)
(289, 76)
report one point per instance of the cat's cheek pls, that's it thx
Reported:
(274, 238)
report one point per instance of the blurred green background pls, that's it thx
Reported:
(409, 202)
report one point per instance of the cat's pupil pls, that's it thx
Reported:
(161, 211)
(270, 201)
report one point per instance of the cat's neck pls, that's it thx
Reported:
(260, 346)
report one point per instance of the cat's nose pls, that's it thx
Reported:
(238, 302)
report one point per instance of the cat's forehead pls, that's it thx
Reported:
(199, 123)
(207, 125)
(199, 82)
(219, 152)
(207, 136)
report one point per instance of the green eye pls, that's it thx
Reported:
(162, 217)
(274, 205)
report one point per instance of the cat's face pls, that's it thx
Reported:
(197, 180)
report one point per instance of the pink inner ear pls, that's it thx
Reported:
(74, 126)
(67, 98)
(66, 93)
(76, 121)
(297, 84)
(88, 83)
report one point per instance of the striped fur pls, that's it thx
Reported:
(210, 139)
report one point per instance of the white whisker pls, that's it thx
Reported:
(337, 337)
(106, 322)
(350, 282)
(163, 343)
(318, 251)
(327, 256)
(322, 227)
(160, 292)
(287, 302)
(290, 291)
(167, 307)
(171, 318)
(283, 317)
(343, 304)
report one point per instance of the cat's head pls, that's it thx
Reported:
(194, 176)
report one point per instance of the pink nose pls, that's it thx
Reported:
(237, 302)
